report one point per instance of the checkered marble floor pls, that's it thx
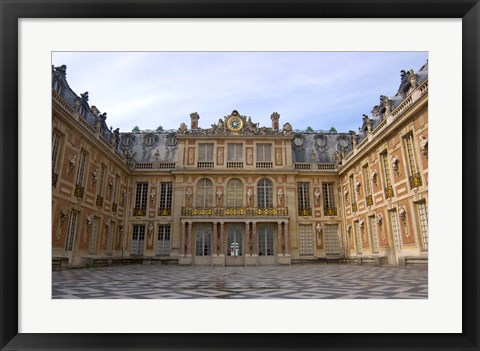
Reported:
(265, 282)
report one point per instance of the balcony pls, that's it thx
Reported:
(154, 165)
(330, 211)
(304, 211)
(389, 192)
(234, 164)
(354, 207)
(315, 166)
(264, 164)
(139, 211)
(237, 211)
(114, 207)
(99, 201)
(79, 191)
(164, 212)
(369, 200)
(415, 180)
(205, 164)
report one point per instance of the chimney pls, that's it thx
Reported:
(194, 117)
(275, 117)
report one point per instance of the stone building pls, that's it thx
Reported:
(237, 193)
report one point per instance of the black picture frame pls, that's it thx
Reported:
(11, 11)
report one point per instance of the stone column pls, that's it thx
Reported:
(255, 238)
(247, 238)
(222, 239)
(287, 240)
(214, 239)
(279, 239)
(182, 240)
(189, 239)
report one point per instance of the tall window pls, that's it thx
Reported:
(358, 236)
(265, 193)
(366, 180)
(72, 226)
(386, 176)
(235, 152)
(204, 193)
(166, 198)
(373, 231)
(205, 152)
(93, 240)
(55, 148)
(265, 240)
(163, 240)
(101, 181)
(414, 172)
(422, 213)
(203, 239)
(234, 240)
(329, 207)
(235, 193)
(353, 196)
(395, 230)
(303, 193)
(141, 199)
(306, 239)
(138, 240)
(264, 152)
(115, 188)
(81, 168)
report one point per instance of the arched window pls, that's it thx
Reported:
(264, 193)
(204, 193)
(235, 193)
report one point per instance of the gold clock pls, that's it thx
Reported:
(234, 123)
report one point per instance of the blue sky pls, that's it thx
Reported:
(317, 89)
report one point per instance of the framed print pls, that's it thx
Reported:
(41, 233)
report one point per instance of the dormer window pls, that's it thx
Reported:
(81, 111)
(57, 86)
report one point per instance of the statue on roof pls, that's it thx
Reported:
(84, 96)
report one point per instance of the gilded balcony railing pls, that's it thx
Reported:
(139, 211)
(331, 211)
(304, 211)
(369, 200)
(237, 211)
(389, 192)
(164, 211)
(415, 180)
(354, 207)
(79, 190)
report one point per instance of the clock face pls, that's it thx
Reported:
(235, 124)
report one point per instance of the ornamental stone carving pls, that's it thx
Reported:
(379, 219)
(316, 195)
(402, 214)
(63, 214)
(219, 195)
(89, 220)
(250, 196)
(280, 195)
(395, 163)
(424, 145)
(94, 176)
(287, 129)
(72, 162)
(374, 178)
(357, 186)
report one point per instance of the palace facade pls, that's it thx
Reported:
(237, 193)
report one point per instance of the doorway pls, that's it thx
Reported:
(234, 242)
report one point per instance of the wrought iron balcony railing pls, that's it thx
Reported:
(304, 211)
(354, 207)
(389, 192)
(99, 201)
(330, 211)
(234, 211)
(139, 211)
(164, 211)
(415, 180)
(79, 190)
(369, 200)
